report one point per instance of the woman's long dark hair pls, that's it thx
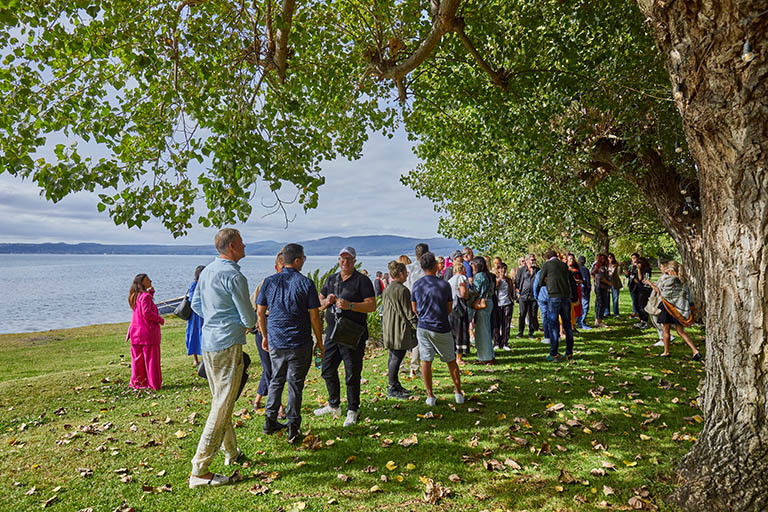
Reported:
(198, 269)
(479, 266)
(136, 289)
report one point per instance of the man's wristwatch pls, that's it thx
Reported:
(351, 305)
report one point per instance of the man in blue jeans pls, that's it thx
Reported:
(555, 274)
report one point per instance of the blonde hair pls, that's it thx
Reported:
(404, 259)
(677, 268)
(396, 269)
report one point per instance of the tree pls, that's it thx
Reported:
(164, 104)
(723, 102)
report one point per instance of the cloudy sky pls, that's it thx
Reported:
(362, 197)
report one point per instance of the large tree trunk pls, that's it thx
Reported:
(724, 106)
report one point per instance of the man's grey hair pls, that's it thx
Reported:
(291, 252)
(223, 238)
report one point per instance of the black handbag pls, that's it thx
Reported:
(345, 331)
(184, 309)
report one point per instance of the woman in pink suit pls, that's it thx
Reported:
(144, 335)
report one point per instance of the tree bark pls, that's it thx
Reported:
(724, 107)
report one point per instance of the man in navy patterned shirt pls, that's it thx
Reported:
(293, 305)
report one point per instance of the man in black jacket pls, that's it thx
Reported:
(586, 290)
(525, 292)
(556, 277)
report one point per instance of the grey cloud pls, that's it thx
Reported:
(359, 198)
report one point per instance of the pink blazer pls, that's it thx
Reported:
(146, 322)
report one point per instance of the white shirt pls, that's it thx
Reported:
(502, 294)
(414, 274)
(455, 282)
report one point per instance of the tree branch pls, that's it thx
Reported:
(496, 77)
(442, 23)
(281, 44)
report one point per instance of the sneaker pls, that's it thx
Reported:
(507, 347)
(585, 327)
(336, 411)
(294, 433)
(638, 325)
(214, 481)
(556, 357)
(271, 426)
(460, 396)
(431, 401)
(545, 341)
(644, 325)
(659, 344)
(351, 418)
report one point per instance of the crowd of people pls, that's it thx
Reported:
(431, 307)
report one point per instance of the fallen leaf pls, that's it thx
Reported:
(597, 472)
(607, 490)
(180, 434)
(161, 473)
(84, 472)
(409, 441)
(351, 458)
(370, 469)
(410, 466)
(454, 478)
(50, 501)
(31, 491)
(191, 418)
(399, 478)
(609, 465)
(435, 492)
(259, 490)
(630, 464)
(343, 477)
(559, 488)
(512, 464)
(565, 477)
(391, 465)
(375, 488)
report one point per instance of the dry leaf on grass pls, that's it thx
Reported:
(435, 492)
(454, 478)
(565, 477)
(409, 441)
(85, 472)
(180, 434)
(50, 501)
(343, 477)
(607, 490)
(390, 465)
(259, 489)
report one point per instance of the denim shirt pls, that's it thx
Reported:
(221, 299)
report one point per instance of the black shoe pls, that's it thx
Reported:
(400, 394)
(697, 357)
(271, 426)
(294, 433)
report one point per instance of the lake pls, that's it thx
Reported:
(40, 292)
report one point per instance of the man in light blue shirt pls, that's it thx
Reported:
(221, 299)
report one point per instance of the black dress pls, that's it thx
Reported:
(665, 317)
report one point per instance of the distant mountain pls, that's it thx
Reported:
(373, 245)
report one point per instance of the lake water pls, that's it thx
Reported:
(39, 292)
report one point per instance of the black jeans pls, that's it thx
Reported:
(393, 368)
(640, 297)
(528, 308)
(601, 302)
(500, 323)
(289, 366)
(353, 368)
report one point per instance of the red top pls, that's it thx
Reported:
(146, 321)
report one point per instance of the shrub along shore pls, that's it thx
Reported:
(605, 431)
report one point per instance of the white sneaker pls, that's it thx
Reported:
(336, 411)
(507, 347)
(659, 344)
(459, 398)
(351, 418)
(214, 481)
(545, 341)
(431, 401)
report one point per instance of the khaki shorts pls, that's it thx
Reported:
(436, 343)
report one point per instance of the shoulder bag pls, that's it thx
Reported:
(184, 309)
(345, 331)
(654, 303)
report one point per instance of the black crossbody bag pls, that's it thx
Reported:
(345, 331)
(184, 309)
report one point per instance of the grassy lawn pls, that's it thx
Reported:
(532, 435)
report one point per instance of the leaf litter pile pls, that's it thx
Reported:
(602, 433)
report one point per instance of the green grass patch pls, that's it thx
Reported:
(532, 435)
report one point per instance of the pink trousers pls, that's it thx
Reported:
(145, 367)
